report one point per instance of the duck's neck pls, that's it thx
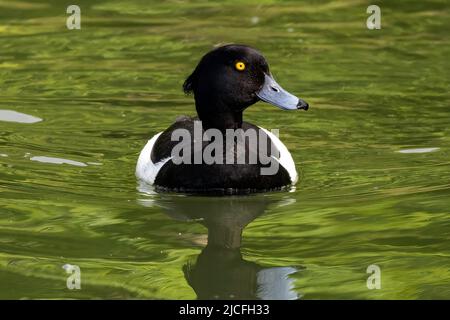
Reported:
(222, 121)
(218, 116)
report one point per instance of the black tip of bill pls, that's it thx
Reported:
(302, 105)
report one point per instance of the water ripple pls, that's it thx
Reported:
(58, 161)
(14, 116)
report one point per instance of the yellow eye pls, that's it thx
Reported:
(240, 66)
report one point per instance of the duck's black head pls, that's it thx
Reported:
(228, 79)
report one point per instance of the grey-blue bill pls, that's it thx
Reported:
(271, 92)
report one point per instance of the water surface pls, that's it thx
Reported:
(372, 152)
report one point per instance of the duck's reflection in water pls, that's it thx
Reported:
(220, 271)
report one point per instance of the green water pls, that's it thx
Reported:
(104, 90)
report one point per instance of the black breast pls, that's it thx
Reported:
(216, 178)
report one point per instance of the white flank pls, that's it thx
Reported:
(285, 159)
(146, 170)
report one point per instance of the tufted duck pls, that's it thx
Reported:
(226, 81)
